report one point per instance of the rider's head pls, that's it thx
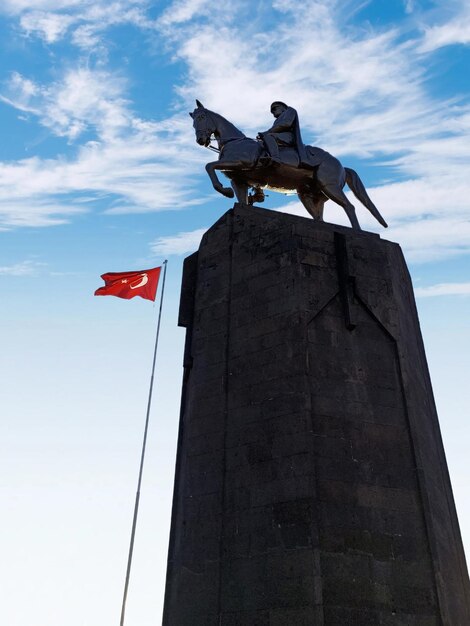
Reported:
(278, 107)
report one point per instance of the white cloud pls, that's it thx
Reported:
(409, 6)
(181, 11)
(456, 30)
(86, 20)
(445, 197)
(429, 218)
(443, 289)
(432, 239)
(367, 96)
(24, 268)
(182, 243)
(27, 208)
(83, 99)
(15, 7)
(250, 71)
(137, 165)
(48, 26)
(86, 98)
(20, 93)
(133, 174)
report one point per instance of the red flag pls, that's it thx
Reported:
(127, 285)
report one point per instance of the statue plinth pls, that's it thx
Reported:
(311, 482)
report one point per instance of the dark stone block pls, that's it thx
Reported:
(294, 617)
(251, 618)
(359, 594)
(339, 616)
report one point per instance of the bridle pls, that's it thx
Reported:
(209, 120)
(205, 121)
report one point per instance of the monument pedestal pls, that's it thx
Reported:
(311, 483)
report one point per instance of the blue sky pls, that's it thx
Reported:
(99, 171)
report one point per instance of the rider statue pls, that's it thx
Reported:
(313, 173)
(285, 132)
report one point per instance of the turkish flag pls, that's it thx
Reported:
(127, 285)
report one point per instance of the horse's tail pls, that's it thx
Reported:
(358, 189)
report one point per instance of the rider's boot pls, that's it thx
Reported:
(272, 149)
(267, 160)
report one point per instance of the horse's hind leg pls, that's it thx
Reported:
(241, 191)
(335, 193)
(313, 203)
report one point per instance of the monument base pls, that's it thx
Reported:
(311, 483)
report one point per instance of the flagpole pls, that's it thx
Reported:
(142, 457)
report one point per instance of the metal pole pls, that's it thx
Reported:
(137, 495)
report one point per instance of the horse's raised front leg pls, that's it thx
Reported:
(210, 169)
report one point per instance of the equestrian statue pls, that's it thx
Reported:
(277, 159)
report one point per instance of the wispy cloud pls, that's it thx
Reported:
(182, 243)
(366, 97)
(430, 219)
(81, 100)
(443, 289)
(455, 30)
(253, 67)
(132, 177)
(22, 208)
(409, 5)
(182, 11)
(15, 7)
(48, 26)
(138, 165)
(19, 92)
(83, 21)
(24, 268)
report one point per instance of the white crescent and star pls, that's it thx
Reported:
(143, 280)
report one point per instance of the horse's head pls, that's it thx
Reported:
(203, 123)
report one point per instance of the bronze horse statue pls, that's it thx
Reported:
(245, 162)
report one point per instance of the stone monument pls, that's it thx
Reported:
(311, 483)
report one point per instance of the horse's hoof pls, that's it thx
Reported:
(225, 191)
